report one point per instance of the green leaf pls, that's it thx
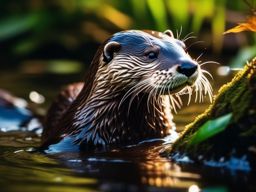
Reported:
(180, 15)
(201, 10)
(218, 25)
(139, 9)
(210, 129)
(245, 54)
(12, 26)
(159, 13)
(64, 66)
(26, 46)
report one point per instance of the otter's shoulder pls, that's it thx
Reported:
(59, 107)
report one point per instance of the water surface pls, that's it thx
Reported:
(131, 168)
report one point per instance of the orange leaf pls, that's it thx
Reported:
(249, 25)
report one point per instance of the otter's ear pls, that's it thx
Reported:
(169, 33)
(109, 50)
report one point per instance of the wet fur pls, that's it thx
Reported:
(119, 103)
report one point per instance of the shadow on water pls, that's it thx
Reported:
(133, 168)
(138, 168)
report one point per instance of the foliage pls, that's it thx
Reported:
(245, 54)
(210, 129)
(248, 25)
(28, 29)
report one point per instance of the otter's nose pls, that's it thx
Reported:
(187, 68)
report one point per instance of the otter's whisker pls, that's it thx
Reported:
(173, 103)
(206, 83)
(180, 32)
(188, 36)
(192, 44)
(189, 94)
(206, 72)
(208, 62)
(197, 89)
(179, 99)
(202, 88)
(176, 102)
(177, 34)
(199, 56)
(202, 85)
(207, 87)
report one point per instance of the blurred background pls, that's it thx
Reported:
(46, 44)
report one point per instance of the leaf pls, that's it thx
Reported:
(13, 26)
(210, 129)
(249, 25)
(159, 13)
(139, 10)
(218, 27)
(27, 45)
(244, 54)
(64, 66)
(202, 9)
(181, 15)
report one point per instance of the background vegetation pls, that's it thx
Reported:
(61, 36)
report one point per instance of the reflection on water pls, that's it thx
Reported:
(161, 173)
(134, 168)
(137, 168)
(23, 171)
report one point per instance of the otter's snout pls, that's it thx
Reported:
(187, 67)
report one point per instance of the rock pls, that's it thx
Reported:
(16, 115)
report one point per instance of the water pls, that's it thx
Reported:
(138, 168)
(134, 168)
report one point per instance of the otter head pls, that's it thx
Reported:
(150, 62)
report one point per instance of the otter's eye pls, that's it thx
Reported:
(152, 55)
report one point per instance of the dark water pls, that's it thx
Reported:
(132, 168)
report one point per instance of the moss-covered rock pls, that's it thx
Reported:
(216, 139)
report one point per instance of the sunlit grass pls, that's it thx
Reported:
(33, 25)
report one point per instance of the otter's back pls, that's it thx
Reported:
(58, 108)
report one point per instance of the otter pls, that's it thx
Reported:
(132, 86)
